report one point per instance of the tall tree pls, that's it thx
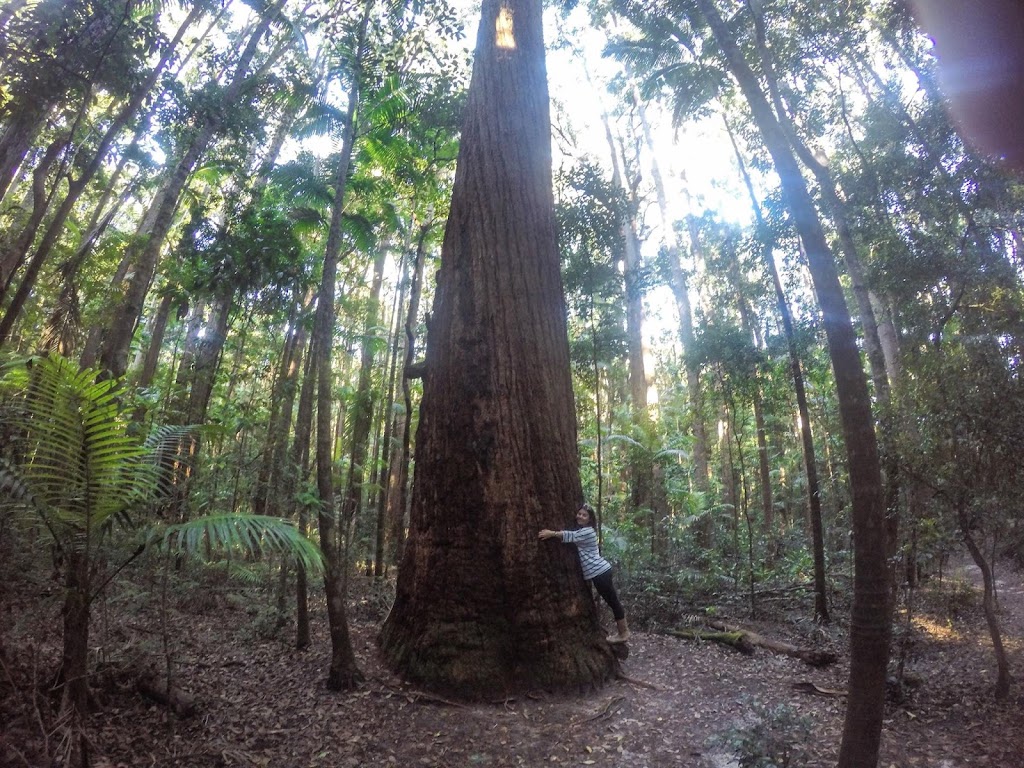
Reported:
(496, 445)
(343, 672)
(800, 391)
(869, 634)
(144, 251)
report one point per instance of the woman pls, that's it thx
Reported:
(595, 567)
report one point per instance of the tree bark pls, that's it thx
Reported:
(298, 474)
(74, 671)
(268, 479)
(496, 447)
(387, 446)
(641, 467)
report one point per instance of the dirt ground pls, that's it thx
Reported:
(679, 703)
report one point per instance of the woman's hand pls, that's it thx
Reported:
(546, 534)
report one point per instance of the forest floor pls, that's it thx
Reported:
(679, 702)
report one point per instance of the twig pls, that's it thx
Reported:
(641, 683)
(614, 701)
(422, 695)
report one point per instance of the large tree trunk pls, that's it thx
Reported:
(870, 619)
(496, 447)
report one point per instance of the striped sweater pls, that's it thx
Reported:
(585, 540)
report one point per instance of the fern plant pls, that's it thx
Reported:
(73, 463)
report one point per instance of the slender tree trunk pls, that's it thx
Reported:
(20, 132)
(343, 673)
(362, 409)
(177, 410)
(1002, 690)
(751, 328)
(74, 672)
(814, 518)
(282, 399)
(694, 388)
(387, 447)
(297, 475)
(398, 493)
(11, 257)
(870, 618)
(149, 240)
(156, 340)
(837, 210)
(76, 186)
(207, 360)
(641, 467)
(681, 291)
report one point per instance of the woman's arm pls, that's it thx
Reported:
(546, 534)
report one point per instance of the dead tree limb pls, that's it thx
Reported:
(746, 641)
(810, 656)
(734, 640)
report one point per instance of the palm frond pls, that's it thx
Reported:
(248, 534)
(624, 439)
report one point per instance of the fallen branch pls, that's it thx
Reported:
(810, 656)
(735, 640)
(640, 683)
(805, 686)
(412, 696)
(606, 711)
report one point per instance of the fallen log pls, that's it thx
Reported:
(810, 656)
(155, 688)
(735, 640)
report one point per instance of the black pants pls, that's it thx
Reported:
(605, 588)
